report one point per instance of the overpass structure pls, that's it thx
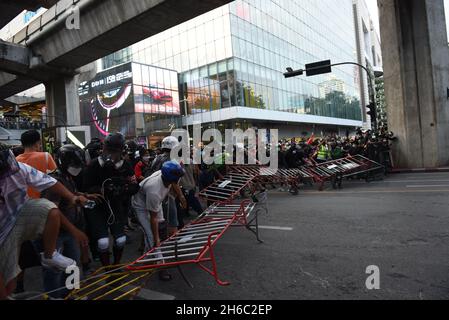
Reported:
(47, 51)
(416, 73)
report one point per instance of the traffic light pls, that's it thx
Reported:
(292, 73)
(185, 90)
(372, 111)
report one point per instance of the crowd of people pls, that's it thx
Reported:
(374, 145)
(21, 123)
(78, 205)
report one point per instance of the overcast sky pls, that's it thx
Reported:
(372, 6)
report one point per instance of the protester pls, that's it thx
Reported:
(23, 219)
(168, 144)
(34, 157)
(148, 205)
(70, 162)
(142, 167)
(189, 183)
(113, 178)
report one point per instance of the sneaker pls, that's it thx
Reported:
(57, 261)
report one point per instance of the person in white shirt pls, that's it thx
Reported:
(147, 204)
(23, 219)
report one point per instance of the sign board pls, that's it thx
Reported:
(313, 69)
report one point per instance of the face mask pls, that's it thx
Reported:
(146, 159)
(107, 161)
(74, 171)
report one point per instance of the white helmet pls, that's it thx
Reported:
(169, 143)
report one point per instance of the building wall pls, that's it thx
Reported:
(268, 37)
(236, 55)
(370, 51)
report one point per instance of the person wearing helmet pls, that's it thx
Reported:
(131, 152)
(168, 144)
(147, 204)
(93, 150)
(23, 218)
(113, 178)
(70, 162)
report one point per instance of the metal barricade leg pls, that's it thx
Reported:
(214, 271)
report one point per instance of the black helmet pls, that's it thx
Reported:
(114, 142)
(142, 150)
(94, 148)
(70, 155)
(131, 147)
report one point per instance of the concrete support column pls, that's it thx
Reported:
(63, 102)
(416, 64)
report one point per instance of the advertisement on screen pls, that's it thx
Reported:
(107, 102)
(155, 90)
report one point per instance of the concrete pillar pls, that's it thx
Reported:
(416, 65)
(63, 102)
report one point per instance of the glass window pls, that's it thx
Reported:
(137, 74)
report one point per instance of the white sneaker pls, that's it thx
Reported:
(57, 261)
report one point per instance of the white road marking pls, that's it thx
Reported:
(409, 181)
(428, 186)
(399, 181)
(276, 228)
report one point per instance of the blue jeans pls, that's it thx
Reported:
(55, 279)
(143, 216)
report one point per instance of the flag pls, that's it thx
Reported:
(310, 141)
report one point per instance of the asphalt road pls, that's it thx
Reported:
(317, 245)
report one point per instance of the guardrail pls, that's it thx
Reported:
(59, 12)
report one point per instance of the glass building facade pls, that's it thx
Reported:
(235, 56)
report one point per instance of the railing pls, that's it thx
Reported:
(53, 14)
(22, 125)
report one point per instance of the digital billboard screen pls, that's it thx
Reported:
(107, 102)
(155, 90)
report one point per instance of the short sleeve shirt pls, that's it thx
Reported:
(151, 194)
(13, 190)
(42, 161)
